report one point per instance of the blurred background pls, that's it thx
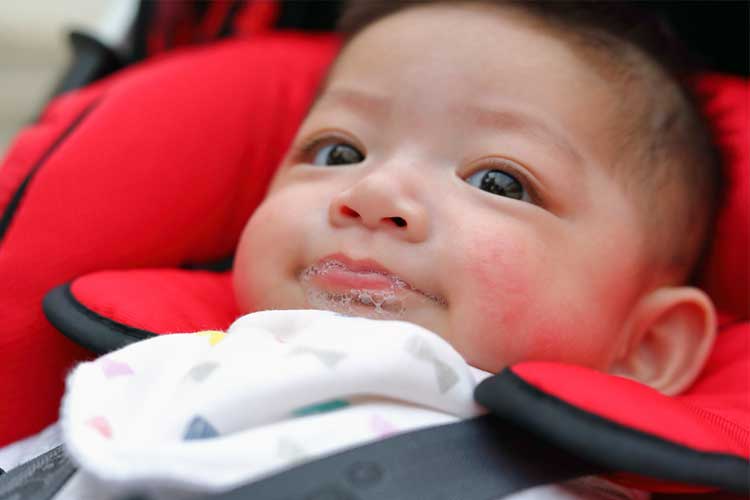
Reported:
(37, 51)
(33, 52)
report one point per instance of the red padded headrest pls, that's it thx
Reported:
(726, 277)
(158, 166)
(121, 190)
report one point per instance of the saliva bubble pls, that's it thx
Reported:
(383, 304)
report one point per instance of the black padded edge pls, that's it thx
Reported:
(614, 446)
(15, 200)
(217, 266)
(85, 327)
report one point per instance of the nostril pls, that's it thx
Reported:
(398, 221)
(348, 212)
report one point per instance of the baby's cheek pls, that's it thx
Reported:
(248, 259)
(266, 251)
(498, 281)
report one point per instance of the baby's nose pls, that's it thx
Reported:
(380, 206)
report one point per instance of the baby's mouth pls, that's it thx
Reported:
(358, 289)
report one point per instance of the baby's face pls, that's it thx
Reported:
(455, 173)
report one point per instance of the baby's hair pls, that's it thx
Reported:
(669, 162)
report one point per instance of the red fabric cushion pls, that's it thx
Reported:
(713, 416)
(159, 166)
(727, 274)
(160, 300)
(715, 422)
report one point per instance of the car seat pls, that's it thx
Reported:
(121, 206)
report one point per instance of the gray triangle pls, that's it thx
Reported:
(328, 358)
(416, 348)
(199, 428)
(200, 372)
(446, 376)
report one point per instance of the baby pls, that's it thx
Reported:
(526, 181)
(518, 178)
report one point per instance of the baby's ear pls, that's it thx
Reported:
(667, 339)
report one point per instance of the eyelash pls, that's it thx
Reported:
(511, 169)
(307, 149)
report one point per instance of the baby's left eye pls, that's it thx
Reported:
(338, 153)
(498, 182)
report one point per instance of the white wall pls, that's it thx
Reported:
(33, 53)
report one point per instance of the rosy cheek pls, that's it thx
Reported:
(497, 295)
(544, 343)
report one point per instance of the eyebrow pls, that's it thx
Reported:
(357, 99)
(512, 120)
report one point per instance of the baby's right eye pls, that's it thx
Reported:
(338, 153)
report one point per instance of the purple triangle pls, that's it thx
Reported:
(113, 368)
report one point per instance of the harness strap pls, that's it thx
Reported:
(40, 478)
(478, 459)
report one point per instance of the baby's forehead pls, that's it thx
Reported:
(499, 29)
(542, 118)
(542, 50)
(618, 84)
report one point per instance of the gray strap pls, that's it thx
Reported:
(479, 459)
(40, 478)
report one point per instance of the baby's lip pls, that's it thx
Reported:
(358, 266)
(336, 273)
(366, 274)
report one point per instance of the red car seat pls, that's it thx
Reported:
(123, 205)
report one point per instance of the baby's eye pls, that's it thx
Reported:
(338, 153)
(497, 182)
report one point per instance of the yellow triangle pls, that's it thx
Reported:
(214, 336)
